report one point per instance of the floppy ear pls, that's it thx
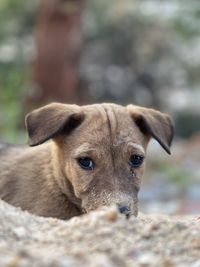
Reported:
(154, 123)
(45, 123)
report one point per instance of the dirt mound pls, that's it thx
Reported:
(102, 238)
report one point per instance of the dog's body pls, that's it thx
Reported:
(95, 158)
(27, 180)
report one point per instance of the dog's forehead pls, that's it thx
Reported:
(106, 128)
(110, 123)
(105, 113)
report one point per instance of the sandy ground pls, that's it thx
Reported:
(102, 238)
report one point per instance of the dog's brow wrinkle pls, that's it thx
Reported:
(102, 112)
(113, 121)
(84, 148)
(137, 146)
(112, 128)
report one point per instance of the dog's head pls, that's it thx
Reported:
(99, 149)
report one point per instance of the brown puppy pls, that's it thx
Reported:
(96, 157)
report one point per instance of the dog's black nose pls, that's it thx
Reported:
(124, 209)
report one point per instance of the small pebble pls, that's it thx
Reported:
(112, 215)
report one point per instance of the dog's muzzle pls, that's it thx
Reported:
(124, 209)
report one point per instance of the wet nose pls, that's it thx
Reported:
(124, 209)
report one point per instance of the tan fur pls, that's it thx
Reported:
(47, 179)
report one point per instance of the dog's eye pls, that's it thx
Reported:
(86, 163)
(136, 161)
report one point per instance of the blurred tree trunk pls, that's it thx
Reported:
(58, 41)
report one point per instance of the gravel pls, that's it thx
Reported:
(103, 238)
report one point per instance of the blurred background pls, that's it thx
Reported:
(86, 51)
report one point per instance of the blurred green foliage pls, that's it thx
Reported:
(16, 23)
(175, 173)
(11, 99)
